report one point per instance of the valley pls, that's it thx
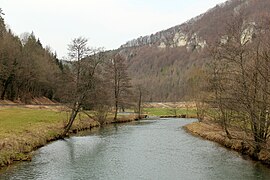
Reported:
(208, 77)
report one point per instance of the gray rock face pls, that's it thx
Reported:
(171, 38)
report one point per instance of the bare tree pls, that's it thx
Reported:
(195, 90)
(117, 73)
(139, 94)
(140, 102)
(84, 65)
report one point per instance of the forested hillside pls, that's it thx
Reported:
(165, 62)
(27, 69)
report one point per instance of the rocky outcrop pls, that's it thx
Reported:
(180, 39)
(171, 38)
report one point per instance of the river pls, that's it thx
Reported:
(153, 149)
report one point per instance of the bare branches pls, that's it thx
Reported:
(78, 49)
(83, 69)
(239, 79)
(116, 70)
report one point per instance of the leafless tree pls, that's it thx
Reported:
(84, 65)
(120, 81)
(139, 94)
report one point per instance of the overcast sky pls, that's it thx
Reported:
(106, 23)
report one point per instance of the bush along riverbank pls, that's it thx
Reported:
(214, 132)
(23, 130)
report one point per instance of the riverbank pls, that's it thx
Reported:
(23, 130)
(214, 132)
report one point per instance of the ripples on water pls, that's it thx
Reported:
(142, 150)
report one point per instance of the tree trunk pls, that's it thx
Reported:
(3, 93)
(72, 117)
(224, 117)
(5, 89)
(139, 105)
(116, 110)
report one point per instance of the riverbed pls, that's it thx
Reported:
(149, 149)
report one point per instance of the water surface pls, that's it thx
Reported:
(156, 149)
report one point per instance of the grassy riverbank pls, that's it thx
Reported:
(24, 129)
(214, 132)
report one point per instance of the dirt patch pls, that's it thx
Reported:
(6, 102)
(42, 100)
(33, 101)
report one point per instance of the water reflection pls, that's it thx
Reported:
(70, 146)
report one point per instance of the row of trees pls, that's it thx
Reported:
(237, 83)
(27, 69)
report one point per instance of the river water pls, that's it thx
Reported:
(156, 149)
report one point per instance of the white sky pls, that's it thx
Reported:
(106, 23)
